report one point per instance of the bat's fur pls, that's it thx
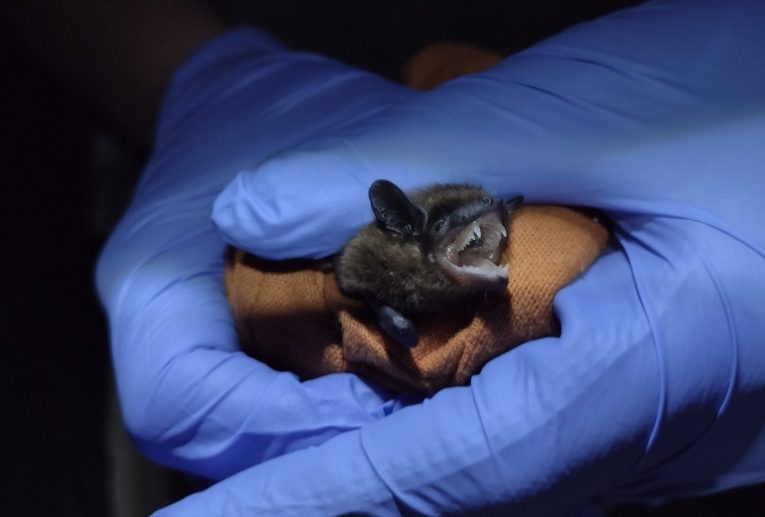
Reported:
(397, 270)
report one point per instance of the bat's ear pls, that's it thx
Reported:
(394, 210)
(513, 203)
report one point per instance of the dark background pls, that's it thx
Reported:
(66, 176)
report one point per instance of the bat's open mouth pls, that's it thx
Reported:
(470, 256)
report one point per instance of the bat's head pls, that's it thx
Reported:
(434, 250)
(461, 229)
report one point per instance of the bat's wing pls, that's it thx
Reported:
(395, 324)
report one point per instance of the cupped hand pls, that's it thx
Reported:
(189, 397)
(655, 387)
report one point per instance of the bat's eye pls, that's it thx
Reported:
(438, 226)
(486, 201)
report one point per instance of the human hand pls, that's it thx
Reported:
(189, 397)
(655, 387)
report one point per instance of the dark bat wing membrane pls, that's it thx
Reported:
(395, 324)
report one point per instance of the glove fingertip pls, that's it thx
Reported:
(280, 219)
(236, 216)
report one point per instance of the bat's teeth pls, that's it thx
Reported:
(475, 234)
(470, 235)
(483, 236)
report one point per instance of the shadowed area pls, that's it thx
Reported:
(68, 170)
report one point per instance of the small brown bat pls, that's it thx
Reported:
(434, 250)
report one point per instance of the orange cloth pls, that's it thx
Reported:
(438, 63)
(292, 316)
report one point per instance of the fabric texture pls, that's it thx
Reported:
(293, 317)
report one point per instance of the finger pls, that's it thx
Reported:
(637, 399)
(596, 116)
(189, 397)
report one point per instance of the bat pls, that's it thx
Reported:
(435, 250)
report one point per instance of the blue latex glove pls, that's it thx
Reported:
(190, 398)
(656, 386)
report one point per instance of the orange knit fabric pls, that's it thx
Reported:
(293, 317)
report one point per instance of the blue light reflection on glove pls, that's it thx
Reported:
(190, 398)
(637, 112)
(603, 412)
(656, 386)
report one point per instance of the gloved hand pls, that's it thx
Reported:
(189, 397)
(655, 387)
